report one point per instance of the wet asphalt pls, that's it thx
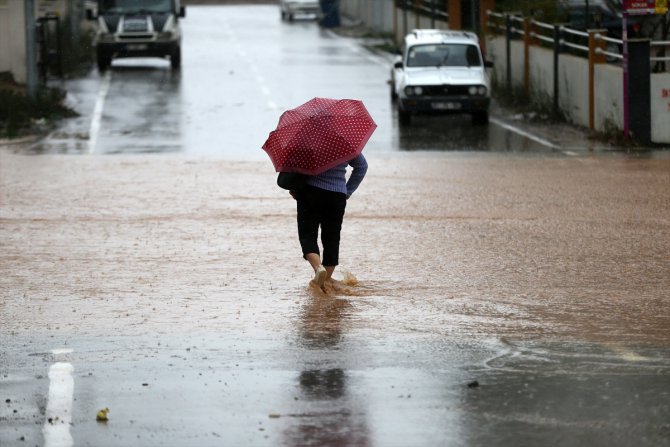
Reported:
(510, 296)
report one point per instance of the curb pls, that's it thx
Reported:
(17, 141)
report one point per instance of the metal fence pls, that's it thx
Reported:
(435, 9)
(566, 39)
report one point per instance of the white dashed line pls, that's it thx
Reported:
(525, 134)
(97, 112)
(56, 429)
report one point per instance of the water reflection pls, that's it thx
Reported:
(322, 320)
(330, 413)
(323, 384)
(135, 107)
(459, 133)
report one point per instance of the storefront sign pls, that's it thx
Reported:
(646, 6)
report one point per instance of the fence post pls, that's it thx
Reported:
(508, 51)
(417, 16)
(405, 19)
(557, 51)
(31, 48)
(454, 11)
(639, 90)
(594, 58)
(527, 41)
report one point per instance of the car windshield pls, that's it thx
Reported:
(444, 55)
(130, 6)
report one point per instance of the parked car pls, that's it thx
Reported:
(137, 28)
(441, 72)
(291, 8)
(601, 14)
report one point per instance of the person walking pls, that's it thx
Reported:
(321, 204)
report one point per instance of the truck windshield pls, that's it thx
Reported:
(131, 6)
(444, 55)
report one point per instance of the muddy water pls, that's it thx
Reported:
(437, 245)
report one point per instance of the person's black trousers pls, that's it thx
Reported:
(318, 207)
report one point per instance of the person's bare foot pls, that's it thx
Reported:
(320, 276)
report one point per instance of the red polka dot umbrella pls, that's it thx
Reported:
(318, 135)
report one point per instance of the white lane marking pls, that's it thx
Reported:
(62, 351)
(97, 112)
(56, 429)
(523, 133)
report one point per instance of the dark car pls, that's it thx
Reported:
(602, 14)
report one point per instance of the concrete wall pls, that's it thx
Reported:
(660, 107)
(608, 97)
(13, 39)
(541, 72)
(572, 75)
(573, 86)
(383, 16)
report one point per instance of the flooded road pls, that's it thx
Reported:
(483, 299)
(497, 287)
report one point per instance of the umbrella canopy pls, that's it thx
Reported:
(318, 135)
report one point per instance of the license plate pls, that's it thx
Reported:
(446, 105)
(136, 46)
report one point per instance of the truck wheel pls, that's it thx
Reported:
(104, 61)
(175, 58)
(481, 117)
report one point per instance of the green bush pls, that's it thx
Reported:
(18, 112)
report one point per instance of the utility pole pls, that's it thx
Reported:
(31, 49)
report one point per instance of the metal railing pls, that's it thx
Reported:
(664, 44)
(570, 39)
(435, 9)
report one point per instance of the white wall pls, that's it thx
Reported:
(608, 97)
(13, 39)
(541, 71)
(573, 88)
(660, 107)
(382, 16)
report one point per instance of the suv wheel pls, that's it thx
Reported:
(175, 58)
(104, 61)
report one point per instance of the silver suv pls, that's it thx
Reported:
(138, 28)
(441, 72)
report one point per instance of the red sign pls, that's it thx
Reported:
(637, 5)
(645, 6)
